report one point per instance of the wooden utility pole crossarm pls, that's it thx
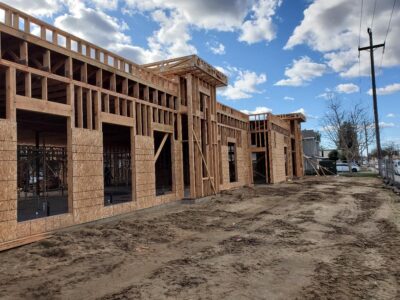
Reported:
(371, 48)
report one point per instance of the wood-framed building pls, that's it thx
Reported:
(86, 134)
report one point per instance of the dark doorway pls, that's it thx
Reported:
(259, 168)
(294, 161)
(42, 162)
(117, 167)
(163, 164)
(232, 162)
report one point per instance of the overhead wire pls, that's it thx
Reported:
(387, 33)
(359, 45)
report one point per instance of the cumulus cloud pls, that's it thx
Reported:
(175, 21)
(387, 90)
(288, 98)
(299, 111)
(330, 27)
(106, 4)
(216, 48)
(260, 26)
(347, 88)
(386, 125)
(244, 86)
(301, 72)
(257, 110)
(390, 115)
(39, 8)
(93, 25)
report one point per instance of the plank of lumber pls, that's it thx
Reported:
(24, 241)
(164, 140)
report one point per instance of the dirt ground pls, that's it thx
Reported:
(317, 238)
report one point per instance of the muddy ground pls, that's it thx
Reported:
(318, 238)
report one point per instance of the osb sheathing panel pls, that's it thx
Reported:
(145, 172)
(178, 157)
(8, 180)
(278, 157)
(87, 175)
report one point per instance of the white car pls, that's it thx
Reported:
(396, 166)
(344, 167)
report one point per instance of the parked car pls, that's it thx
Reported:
(344, 167)
(396, 166)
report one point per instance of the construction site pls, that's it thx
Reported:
(86, 134)
(128, 181)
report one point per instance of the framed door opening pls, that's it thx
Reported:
(117, 166)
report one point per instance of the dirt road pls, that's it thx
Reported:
(329, 238)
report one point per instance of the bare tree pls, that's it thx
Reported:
(350, 130)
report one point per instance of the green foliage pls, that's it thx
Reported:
(334, 155)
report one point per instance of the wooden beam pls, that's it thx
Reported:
(164, 140)
(48, 107)
(117, 120)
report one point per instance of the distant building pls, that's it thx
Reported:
(311, 140)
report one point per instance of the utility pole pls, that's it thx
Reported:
(366, 140)
(371, 48)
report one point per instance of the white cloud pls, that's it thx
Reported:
(332, 28)
(93, 25)
(301, 72)
(39, 8)
(288, 98)
(245, 85)
(386, 125)
(223, 15)
(260, 26)
(106, 4)
(176, 19)
(387, 90)
(216, 48)
(390, 115)
(300, 110)
(347, 88)
(257, 110)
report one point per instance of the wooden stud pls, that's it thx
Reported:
(23, 52)
(89, 110)
(28, 85)
(79, 107)
(107, 103)
(10, 93)
(46, 61)
(44, 88)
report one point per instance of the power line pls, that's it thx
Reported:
(373, 15)
(359, 53)
(361, 16)
(387, 33)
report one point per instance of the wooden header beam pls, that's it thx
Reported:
(189, 64)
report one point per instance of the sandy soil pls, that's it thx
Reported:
(318, 238)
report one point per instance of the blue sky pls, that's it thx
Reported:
(280, 55)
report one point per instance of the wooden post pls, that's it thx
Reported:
(189, 80)
(28, 85)
(10, 93)
(44, 88)
(23, 50)
(89, 110)
(80, 107)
